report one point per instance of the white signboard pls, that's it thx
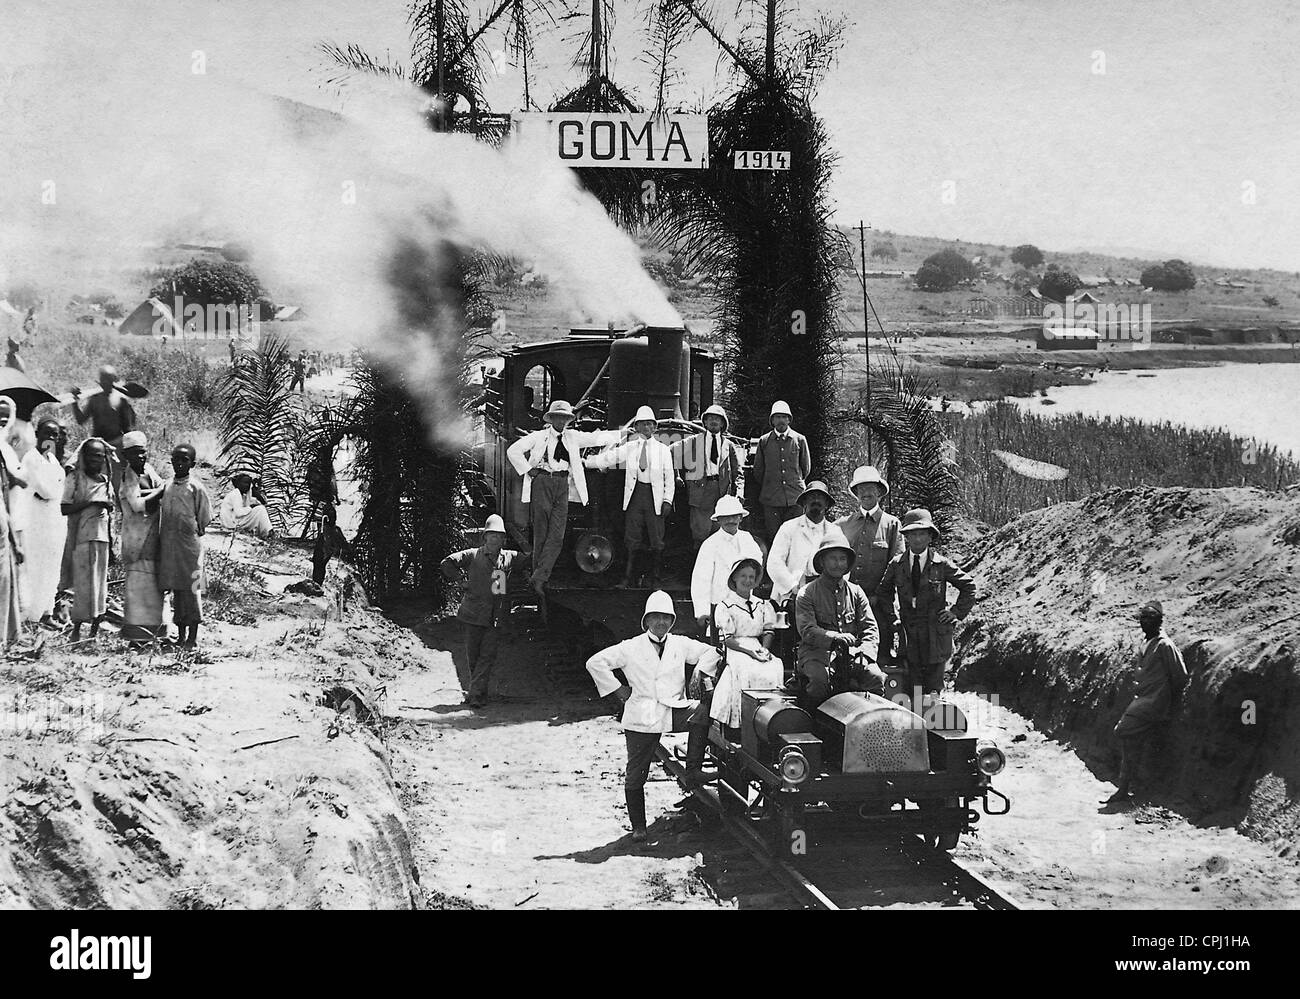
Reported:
(581, 139)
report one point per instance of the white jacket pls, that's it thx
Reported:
(719, 552)
(658, 685)
(789, 563)
(530, 451)
(628, 457)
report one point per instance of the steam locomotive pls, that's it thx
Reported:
(857, 753)
(606, 374)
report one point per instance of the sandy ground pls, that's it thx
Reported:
(1060, 848)
(226, 778)
(521, 805)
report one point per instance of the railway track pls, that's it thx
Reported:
(844, 868)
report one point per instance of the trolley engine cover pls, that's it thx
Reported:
(863, 733)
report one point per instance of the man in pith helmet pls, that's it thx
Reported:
(877, 538)
(550, 463)
(654, 695)
(709, 465)
(837, 630)
(486, 572)
(782, 463)
(921, 577)
(648, 487)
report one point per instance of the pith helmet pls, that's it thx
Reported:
(740, 564)
(816, 486)
(916, 519)
(779, 408)
(558, 408)
(1151, 607)
(833, 541)
(658, 602)
(728, 506)
(717, 411)
(868, 473)
(494, 523)
(645, 413)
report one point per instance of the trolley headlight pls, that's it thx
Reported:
(989, 759)
(792, 765)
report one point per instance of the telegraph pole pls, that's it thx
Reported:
(862, 228)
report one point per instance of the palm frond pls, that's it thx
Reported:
(263, 424)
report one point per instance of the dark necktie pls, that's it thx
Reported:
(561, 452)
(645, 457)
(713, 449)
(659, 646)
(916, 576)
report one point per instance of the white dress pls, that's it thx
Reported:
(44, 530)
(748, 623)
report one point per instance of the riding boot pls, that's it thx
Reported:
(696, 741)
(636, 811)
(629, 572)
(656, 564)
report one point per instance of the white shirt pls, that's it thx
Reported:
(643, 447)
(719, 552)
(552, 442)
(711, 466)
(869, 514)
(789, 563)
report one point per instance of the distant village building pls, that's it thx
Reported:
(1071, 338)
(150, 317)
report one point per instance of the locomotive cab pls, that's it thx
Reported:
(606, 374)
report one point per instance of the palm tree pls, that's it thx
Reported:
(766, 236)
(414, 485)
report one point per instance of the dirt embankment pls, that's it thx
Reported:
(1055, 638)
(253, 773)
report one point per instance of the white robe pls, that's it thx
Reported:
(44, 529)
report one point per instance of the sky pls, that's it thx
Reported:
(1164, 128)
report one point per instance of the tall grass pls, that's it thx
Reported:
(181, 379)
(1100, 453)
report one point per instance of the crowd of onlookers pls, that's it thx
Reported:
(64, 515)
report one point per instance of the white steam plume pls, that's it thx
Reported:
(98, 166)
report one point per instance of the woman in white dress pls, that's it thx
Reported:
(747, 626)
(41, 523)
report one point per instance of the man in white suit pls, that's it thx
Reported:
(550, 462)
(648, 485)
(654, 694)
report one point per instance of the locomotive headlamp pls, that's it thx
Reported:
(793, 765)
(989, 759)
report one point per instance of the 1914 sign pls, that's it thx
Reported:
(663, 142)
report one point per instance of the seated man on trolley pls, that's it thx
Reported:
(838, 634)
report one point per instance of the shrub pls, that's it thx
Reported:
(1027, 255)
(1172, 275)
(1058, 283)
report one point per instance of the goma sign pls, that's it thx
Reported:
(665, 142)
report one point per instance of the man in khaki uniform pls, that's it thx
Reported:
(920, 577)
(709, 467)
(877, 539)
(781, 465)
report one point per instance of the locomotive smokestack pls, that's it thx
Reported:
(663, 376)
